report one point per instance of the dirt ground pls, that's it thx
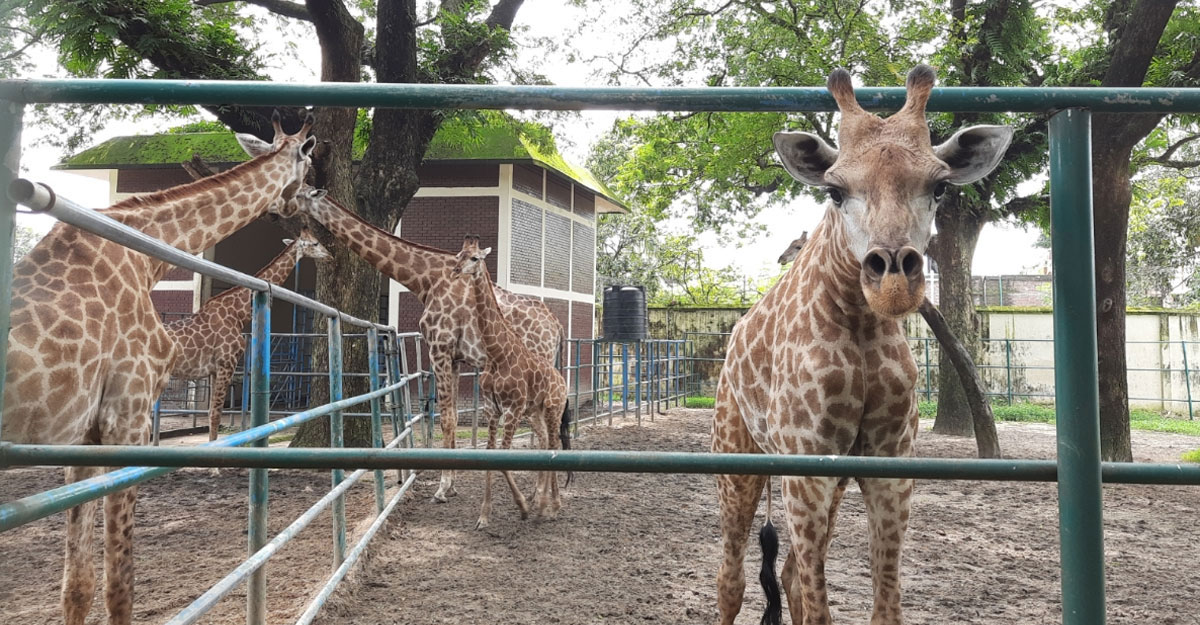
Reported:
(629, 548)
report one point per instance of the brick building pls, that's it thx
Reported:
(537, 211)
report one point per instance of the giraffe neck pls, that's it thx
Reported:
(417, 267)
(492, 327)
(276, 271)
(826, 267)
(198, 215)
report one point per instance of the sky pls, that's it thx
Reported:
(1002, 248)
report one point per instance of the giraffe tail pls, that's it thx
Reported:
(768, 541)
(564, 434)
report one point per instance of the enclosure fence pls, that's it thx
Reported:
(1078, 469)
(1012, 369)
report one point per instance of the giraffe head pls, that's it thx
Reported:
(307, 246)
(298, 151)
(793, 249)
(885, 179)
(469, 261)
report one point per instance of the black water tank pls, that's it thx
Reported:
(624, 313)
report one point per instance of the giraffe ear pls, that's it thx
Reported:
(253, 146)
(974, 152)
(805, 156)
(483, 253)
(288, 241)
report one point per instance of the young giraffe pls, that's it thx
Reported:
(88, 354)
(211, 342)
(793, 249)
(448, 322)
(820, 365)
(515, 383)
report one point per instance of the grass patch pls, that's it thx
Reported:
(1192, 456)
(281, 438)
(700, 402)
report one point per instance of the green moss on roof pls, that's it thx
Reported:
(455, 142)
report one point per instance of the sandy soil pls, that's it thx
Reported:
(632, 548)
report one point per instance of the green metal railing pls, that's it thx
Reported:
(1078, 469)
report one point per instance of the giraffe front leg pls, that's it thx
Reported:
(887, 502)
(118, 555)
(485, 507)
(738, 496)
(447, 390)
(790, 569)
(809, 505)
(218, 386)
(511, 420)
(79, 575)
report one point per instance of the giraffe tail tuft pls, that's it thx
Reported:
(768, 540)
(564, 434)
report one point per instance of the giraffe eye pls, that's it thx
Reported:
(939, 190)
(835, 194)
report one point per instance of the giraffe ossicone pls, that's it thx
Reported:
(88, 353)
(821, 365)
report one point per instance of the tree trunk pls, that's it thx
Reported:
(1111, 194)
(973, 389)
(345, 282)
(958, 233)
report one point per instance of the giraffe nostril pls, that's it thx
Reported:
(910, 262)
(875, 264)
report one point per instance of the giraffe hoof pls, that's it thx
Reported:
(438, 498)
(482, 523)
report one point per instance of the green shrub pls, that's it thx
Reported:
(700, 402)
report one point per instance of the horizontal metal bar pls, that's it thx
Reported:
(359, 548)
(41, 505)
(425, 96)
(595, 461)
(41, 198)
(196, 610)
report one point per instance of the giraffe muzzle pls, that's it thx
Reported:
(893, 280)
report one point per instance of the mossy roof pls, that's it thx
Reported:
(495, 144)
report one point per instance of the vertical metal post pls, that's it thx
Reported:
(1008, 367)
(1076, 387)
(398, 412)
(611, 384)
(637, 380)
(928, 372)
(376, 415)
(475, 408)
(595, 384)
(10, 163)
(260, 398)
(1187, 379)
(624, 379)
(246, 368)
(578, 370)
(156, 426)
(336, 437)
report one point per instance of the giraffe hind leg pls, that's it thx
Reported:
(79, 574)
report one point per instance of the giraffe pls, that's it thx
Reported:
(515, 383)
(793, 249)
(88, 354)
(211, 342)
(820, 365)
(448, 322)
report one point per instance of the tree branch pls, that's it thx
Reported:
(293, 10)
(1174, 147)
